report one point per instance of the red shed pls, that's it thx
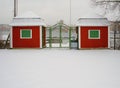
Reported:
(93, 32)
(27, 31)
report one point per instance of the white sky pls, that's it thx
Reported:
(50, 10)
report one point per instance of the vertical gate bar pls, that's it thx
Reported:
(60, 35)
(50, 36)
(70, 37)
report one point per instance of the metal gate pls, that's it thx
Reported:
(59, 36)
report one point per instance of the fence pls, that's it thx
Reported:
(115, 39)
(60, 36)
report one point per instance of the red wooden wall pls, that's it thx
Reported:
(26, 43)
(94, 43)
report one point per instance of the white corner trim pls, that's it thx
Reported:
(11, 37)
(79, 37)
(108, 36)
(40, 36)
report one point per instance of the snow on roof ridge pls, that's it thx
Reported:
(28, 14)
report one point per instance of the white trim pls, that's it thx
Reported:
(108, 36)
(11, 38)
(25, 37)
(79, 37)
(40, 36)
(93, 30)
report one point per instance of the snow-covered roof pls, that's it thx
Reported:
(92, 19)
(27, 19)
(92, 22)
(27, 22)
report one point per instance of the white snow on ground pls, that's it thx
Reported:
(50, 68)
(58, 45)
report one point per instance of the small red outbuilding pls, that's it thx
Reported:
(93, 32)
(27, 31)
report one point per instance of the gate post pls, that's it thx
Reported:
(60, 35)
(50, 36)
(70, 37)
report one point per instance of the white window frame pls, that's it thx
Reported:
(93, 30)
(26, 37)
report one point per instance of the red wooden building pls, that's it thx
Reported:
(27, 31)
(93, 32)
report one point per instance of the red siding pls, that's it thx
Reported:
(26, 43)
(94, 43)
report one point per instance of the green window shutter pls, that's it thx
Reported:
(26, 34)
(94, 34)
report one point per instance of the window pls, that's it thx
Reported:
(94, 34)
(26, 33)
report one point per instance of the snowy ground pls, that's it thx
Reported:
(51, 68)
